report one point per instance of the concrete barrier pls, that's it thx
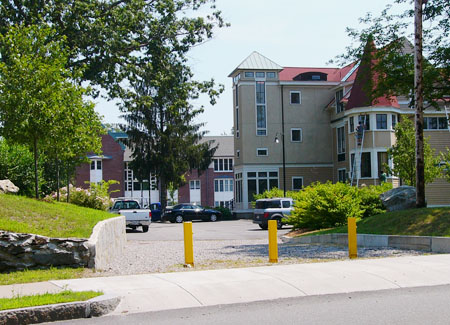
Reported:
(108, 239)
(424, 243)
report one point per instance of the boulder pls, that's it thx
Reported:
(6, 186)
(399, 198)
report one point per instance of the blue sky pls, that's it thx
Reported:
(289, 32)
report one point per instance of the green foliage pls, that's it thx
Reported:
(325, 205)
(57, 219)
(404, 159)
(29, 276)
(16, 164)
(47, 299)
(445, 158)
(226, 213)
(370, 199)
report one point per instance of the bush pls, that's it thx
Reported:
(370, 199)
(325, 206)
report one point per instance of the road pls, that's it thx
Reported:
(421, 305)
(220, 230)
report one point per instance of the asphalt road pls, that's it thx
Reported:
(421, 305)
(219, 230)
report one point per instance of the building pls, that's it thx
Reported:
(305, 121)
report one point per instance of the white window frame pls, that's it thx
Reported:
(299, 97)
(195, 182)
(271, 72)
(295, 178)
(301, 135)
(260, 72)
(342, 140)
(258, 155)
(249, 74)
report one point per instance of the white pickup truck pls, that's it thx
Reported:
(135, 216)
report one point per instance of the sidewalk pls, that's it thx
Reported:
(164, 291)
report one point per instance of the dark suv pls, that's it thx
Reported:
(272, 209)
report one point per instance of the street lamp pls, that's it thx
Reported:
(277, 140)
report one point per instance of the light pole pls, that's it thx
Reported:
(282, 141)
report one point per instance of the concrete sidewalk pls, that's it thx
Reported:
(153, 292)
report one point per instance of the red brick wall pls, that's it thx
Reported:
(112, 168)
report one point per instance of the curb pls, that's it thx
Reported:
(424, 243)
(94, 307)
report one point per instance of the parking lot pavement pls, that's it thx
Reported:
(220, 230)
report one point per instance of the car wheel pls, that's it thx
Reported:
(213, 218)
(179, 218)
(144, 228)
(263, 227)
(279, 224)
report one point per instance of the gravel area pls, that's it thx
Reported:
(168, 256)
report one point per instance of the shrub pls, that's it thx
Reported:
(325, 205)
(370, 199)
(226, 213)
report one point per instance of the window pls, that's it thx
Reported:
(92, 164)
(261, 123)
(237, 122)
(435, 123)
(260, 75)
(223, 185)
(296, 135)
(99, 164)
(238, 193)
(342, 175)
(381, 121)
(339, 105)
(394, 120)
(364, 119)
(341, 143)
(238, 153)
(236, 96)
(382, 158)
(194, 185)
(297, 183)
(249, 74)
(237, 78)
(223, 164)
(258, 183)
(366, 168)
(261, 151)
(315, 77)
(295, 97)
(271, 75)
(352, 124)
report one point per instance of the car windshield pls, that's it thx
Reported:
(268, 204)
(196, 207)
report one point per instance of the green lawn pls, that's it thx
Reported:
(24, 215)
(413, 222)
(53, 273)
(47, 299)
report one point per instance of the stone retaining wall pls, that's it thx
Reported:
(426, 243)
(28, 251)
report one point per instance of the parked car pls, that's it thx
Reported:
(134, 215)
(187, 212)
(277, 209)
(156, 211)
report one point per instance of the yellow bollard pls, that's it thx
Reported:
(188, 244)
(352, 239)
(273, 244)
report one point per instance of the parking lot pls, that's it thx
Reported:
(219, 230)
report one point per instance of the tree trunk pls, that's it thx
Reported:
(418, 88)
(68, 182)
(36, 178)
(57, 178)
(163, 192)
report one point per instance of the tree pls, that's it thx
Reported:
(160, 127)
(402, 155)
(445, 158)
(41, 104)
(394, 62)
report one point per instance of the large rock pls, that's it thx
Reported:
(6, 186)
(399, 198)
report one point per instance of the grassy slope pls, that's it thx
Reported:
(20, 214)
(414, 222)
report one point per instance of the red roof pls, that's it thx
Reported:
(334, 74)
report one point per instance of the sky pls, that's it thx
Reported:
(292, 33)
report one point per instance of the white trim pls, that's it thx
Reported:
(292, 182)
(308, 83)
(301, 135)
(350, 72)
(375, 109)
(258, 155)
(299, 97)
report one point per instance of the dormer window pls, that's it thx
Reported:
(311, 76)
(260, 74)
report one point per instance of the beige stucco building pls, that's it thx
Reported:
(313, 114)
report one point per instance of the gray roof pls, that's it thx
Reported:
(257, 61)
(225, 145)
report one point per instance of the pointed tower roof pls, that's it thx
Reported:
(257, 61)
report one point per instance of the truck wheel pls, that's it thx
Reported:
(179, 218)
(144, 228)
(279, 224)
(263, 227)
(213, 218)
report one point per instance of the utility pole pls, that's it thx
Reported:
(418, 97)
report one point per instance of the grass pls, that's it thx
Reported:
(29, 276)
(24, 215)
(47, 299)
(413, 222)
